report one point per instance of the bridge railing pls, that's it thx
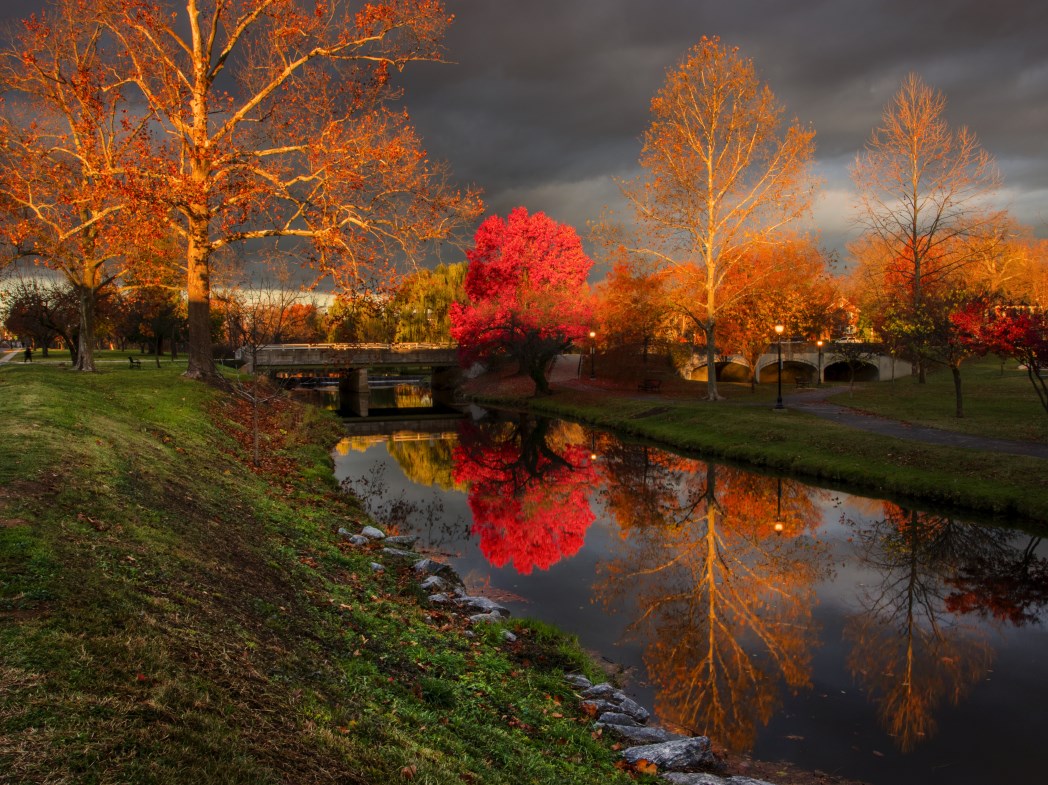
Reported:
(285, 349)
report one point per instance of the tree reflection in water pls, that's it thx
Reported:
(1009, 585)
(726, 601)
(529, 484)
(908, 650)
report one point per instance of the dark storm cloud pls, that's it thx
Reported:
(546, 100)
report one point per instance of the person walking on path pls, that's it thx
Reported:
(28, 354)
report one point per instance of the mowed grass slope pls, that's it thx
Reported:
(170, 615)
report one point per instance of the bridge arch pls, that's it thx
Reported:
(792, 371)
(734, 369)
(839, 372)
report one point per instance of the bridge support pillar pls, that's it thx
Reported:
(443, 383)
(353, 394)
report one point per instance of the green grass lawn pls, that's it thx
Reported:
(103, 357)
(168, 614)
(997, 405)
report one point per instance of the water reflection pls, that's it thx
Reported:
(730, 585)
(913, 646)
(529, 483)
(727, 600)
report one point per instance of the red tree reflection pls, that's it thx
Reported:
(529, 500)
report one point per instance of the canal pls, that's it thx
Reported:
(846, 634)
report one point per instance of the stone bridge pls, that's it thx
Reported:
(802, 361)
(350, 362)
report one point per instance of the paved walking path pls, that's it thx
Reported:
(815, 402)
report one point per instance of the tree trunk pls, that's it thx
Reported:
(85, 354)
(1040, 384)
(536, 369)
(711, 362)
(254, 411)
(201, 359)
(955, 369)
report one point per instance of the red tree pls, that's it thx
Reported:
(1018, 332)
(526, 289)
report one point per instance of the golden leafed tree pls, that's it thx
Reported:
(924, 194)
(279, 119)
(723, 174)
(67, 139)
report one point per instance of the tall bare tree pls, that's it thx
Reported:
(724, 174)
(924, 193)
(280, 121)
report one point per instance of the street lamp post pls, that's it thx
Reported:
(819, 344)
(593, 354)
(778, 344)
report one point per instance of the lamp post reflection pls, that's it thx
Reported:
(778, 509)
(778, 344)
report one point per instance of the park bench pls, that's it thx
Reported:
(802, 381)
(134, 363)
(650, 385)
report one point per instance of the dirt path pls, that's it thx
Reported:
(815, 402)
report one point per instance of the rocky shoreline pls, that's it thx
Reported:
(681, 760)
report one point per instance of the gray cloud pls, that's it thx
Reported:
(546, 100)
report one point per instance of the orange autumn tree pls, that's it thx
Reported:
(723, 175)
(278, 119)
(67, 139)
(796, 290)
(631, 306)
(924, 200)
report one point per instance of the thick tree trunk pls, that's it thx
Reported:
(955, 369)
(536, 368)
(85, 353)
(198, 286)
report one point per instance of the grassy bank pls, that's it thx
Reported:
(169, 614)
(744, 429)
(999, 403)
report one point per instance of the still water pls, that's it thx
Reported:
(844, 634)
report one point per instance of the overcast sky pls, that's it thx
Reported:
(545, 101)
